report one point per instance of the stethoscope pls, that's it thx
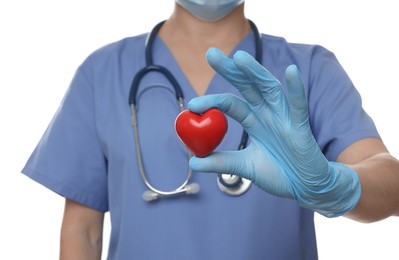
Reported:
(230, 184)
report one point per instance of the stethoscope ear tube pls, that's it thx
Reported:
(189, 189)
(155, 68)
(153, 193)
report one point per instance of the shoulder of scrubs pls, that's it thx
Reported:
(69, 158)
(336, 113)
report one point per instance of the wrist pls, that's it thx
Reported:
(342, 193)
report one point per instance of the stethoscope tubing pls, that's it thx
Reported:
(236, 185)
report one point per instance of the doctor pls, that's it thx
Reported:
(306, 153)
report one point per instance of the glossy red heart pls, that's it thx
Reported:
(201, 134)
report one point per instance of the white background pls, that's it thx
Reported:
(42, 43)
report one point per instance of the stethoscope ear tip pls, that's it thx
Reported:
(192, 188)
(150, 195)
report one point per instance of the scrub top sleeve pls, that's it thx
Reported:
(337, 116)
(69, 159)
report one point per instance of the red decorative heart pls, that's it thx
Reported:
(201, 134)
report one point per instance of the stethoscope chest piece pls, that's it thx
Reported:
(233, 185)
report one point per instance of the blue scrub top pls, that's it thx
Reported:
(87, 154)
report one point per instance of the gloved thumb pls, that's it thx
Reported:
(220, 162)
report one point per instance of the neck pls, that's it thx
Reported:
(182, 26)
(189, 38)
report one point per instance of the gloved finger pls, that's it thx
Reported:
(228, 70)
(229, 104)
(230, 162)
(261, 78)
(298, 103)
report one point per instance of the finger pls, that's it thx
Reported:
(228, 70)
(230, 162)
(229, 104)
(298, 103)
(225, 66)
(261, 78)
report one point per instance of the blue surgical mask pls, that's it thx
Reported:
(209, 10)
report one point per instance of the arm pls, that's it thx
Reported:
(379, 177)
(284, 158)
(81, 232)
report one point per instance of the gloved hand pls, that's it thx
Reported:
(283, 157)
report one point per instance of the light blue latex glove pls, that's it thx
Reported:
(283, 157)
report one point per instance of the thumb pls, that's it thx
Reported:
(230, 162)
